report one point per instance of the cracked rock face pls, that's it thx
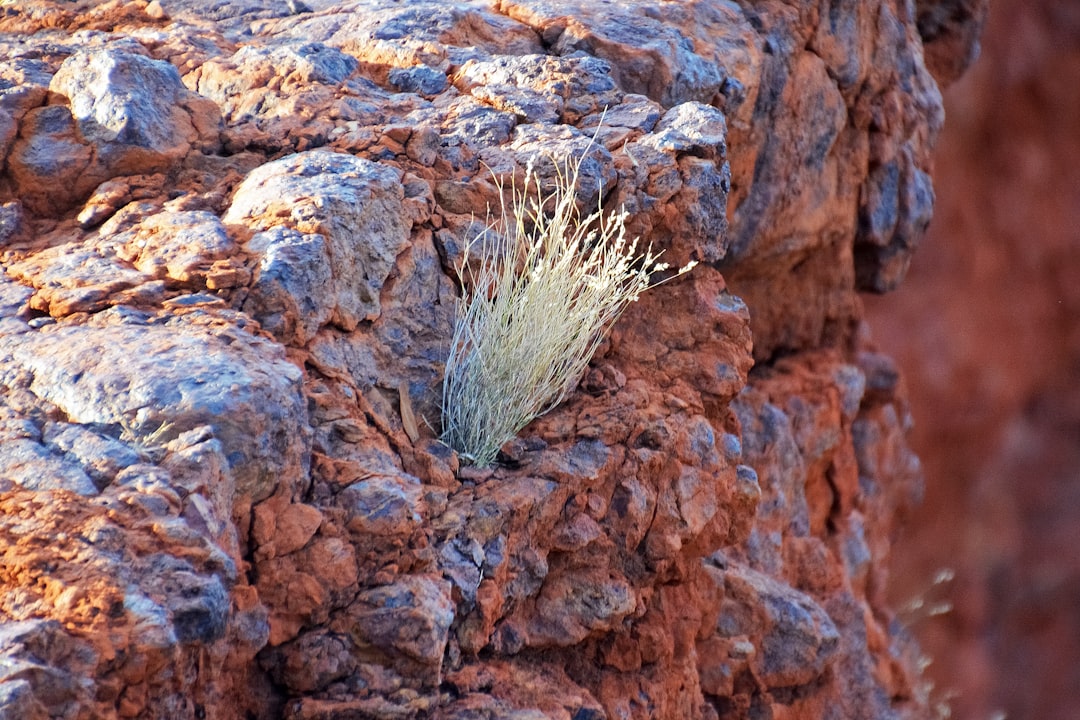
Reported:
(125, 114)
(231, 239)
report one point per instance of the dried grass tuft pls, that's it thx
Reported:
(535, 310)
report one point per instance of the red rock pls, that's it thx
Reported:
(293, 527)
(49, 163)
(241, 362)
(991, 370)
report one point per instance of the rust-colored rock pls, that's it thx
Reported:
(986, 332)
(110, 113)
(231, 242)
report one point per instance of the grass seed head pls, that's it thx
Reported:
(534, 312)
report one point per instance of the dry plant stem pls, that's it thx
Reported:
(538, 307)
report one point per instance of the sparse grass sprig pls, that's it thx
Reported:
(534, 311)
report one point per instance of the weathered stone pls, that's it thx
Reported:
(14, 306)
(671, 55)
(283, 528)
(17, 702)
(982, 340)
(262, 85)
(180, 246)
(146, 604)
(11, 216)
(554, 87)
(554, 150)
(575, 604)
(898, 203)
(110, 196)
(382, 506)
(800, 641)
(127, 114)
(34, 467)
(410, 617)
(156, 381)
(75, 278)
(690, 128)
(427, 30)
(470, 127)
(101, 457)
(41, 658)
(134, 110)
(287, 296)
(49, 164)
(420, 79)
(354, 204)
(24, 85)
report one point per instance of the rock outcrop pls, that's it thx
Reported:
(230, 235)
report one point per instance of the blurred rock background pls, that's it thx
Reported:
(987, 331)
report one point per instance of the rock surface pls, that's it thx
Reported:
(230, 235)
